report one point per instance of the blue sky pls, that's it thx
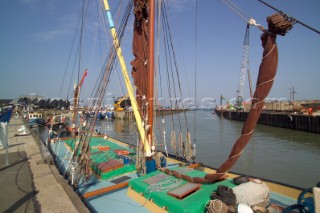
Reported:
(36, 38)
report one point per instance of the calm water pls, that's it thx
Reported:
(283, 155)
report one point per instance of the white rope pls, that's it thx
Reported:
(173, 141)
(237, 10)
(188, 147)
(210, 205)
(163, 186)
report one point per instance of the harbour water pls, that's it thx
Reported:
(283, 155)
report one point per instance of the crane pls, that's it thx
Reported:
(243, 70)
(121, 103)
(229, 106)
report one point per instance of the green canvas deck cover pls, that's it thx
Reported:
(194, 202)
(98, 157)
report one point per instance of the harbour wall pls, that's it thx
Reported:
(302, 122)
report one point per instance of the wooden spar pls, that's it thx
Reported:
(150, 97)
(105, 190)
(76, 98)
(122, 63)
(75, 107)
(80, 84)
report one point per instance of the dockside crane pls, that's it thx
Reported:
(229, 106)
(243, 71)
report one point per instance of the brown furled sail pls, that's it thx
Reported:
(140, 49)
(277, 25)
(143, 63)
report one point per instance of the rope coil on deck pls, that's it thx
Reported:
(216, 206)
(163, 186)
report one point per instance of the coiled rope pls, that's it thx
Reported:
(216, 206)
(163, 186)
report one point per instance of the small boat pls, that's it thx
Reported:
(110, 114)
(106, 113)
(59, 125)
(35, 118)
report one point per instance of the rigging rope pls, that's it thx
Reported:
(65, 71)
(251, 21)
(237, 10)
(173, 135)
(174, 71)
(109, 45)
(291, 19)
(242, 14)
(83, 19)
(82, 160)
(193, 157)
(68, 61)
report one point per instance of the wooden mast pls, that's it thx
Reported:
(150, 90)
(75, 109)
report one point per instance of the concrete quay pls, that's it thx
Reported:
(27, 182)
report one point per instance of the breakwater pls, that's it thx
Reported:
(302, 122)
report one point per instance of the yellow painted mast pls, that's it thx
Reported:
(134, 103)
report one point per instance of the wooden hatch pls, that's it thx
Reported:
(109, 165)
(184, 190)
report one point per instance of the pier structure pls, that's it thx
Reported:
(29, 180)
(297, 115)
(302, 122)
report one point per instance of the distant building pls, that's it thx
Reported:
(5, 102)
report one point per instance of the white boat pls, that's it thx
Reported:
(35, 118)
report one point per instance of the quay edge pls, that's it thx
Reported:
(301, 122)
